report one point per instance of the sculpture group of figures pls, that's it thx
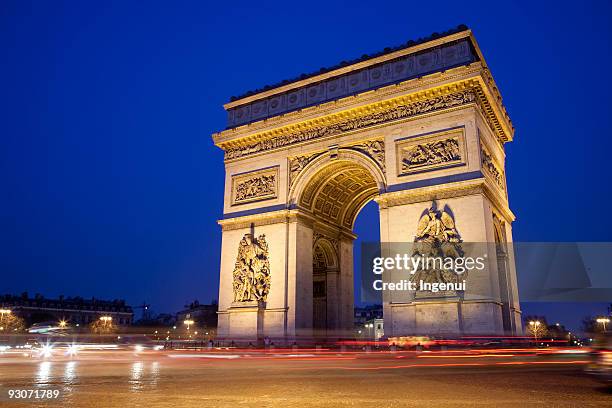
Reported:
(442, 151)
(255, 187)
(437, 238)
(252, 270)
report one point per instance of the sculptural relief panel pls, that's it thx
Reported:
(251, 276)
(431, 152)
(375, 149)
(437, 237)
(298, 163)
(491, 168)
(255, 186)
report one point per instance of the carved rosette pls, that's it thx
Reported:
(488, 164)
(251, 276)
(396, 113)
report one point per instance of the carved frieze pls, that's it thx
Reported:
(491, 168)
(251, 276)
(255, 186)
(431, 152)
(396, 113)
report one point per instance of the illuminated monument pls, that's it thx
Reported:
(415, 125)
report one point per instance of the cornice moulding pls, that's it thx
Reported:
(231, 141)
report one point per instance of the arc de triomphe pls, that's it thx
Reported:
(413, 125)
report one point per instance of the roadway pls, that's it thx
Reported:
(300, 378)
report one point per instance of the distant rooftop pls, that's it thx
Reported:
(76, 302)
(365, 57)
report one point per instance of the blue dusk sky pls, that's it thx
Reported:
(110, 183)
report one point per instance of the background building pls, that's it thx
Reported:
(368, 322)
(204, 316)
(74, 310)
(367, 313)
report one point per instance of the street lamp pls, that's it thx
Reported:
(534, 328)
(603, 321)
(188, 322)
(106, 320)
(369, 326)
(62, 323)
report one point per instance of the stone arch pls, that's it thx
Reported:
(499, 233)
(325, 253)
(335, 186)
(501, 252)
(325, 268)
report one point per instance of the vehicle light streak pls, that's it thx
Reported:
(483, 364)
(467, 356)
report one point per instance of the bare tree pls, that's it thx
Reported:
(103, 325)
(536, 326)
(9, 322)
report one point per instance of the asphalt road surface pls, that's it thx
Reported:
(234, 378)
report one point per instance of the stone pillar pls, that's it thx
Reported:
(479, 309)
(299, 273)
(346, 297)
(252, 320)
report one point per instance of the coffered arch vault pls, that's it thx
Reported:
(335, 186)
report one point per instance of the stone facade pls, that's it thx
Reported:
(74, 310)
(300, 177)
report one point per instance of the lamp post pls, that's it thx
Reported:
(189, 323)
(106, 320)
(535, 324)
(369, 326)
(603, 321)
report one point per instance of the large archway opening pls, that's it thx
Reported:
(368, 304)
(333, 191)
